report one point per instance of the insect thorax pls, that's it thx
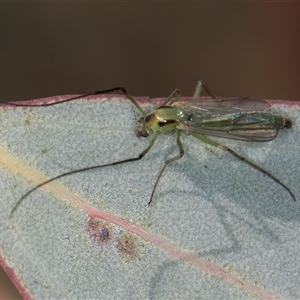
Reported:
(165, 119)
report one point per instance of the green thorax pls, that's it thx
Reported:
(165, 119)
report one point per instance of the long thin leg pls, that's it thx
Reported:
(181, 152)
(253, 165)
(201, 84)
(176, 93)
(85, 169)
(116, 89)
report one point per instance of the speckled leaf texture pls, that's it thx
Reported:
(217, 228)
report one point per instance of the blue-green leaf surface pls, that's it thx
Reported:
(217, 229)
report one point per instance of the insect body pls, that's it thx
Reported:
(235, 118)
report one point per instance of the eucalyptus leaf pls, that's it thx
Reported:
(217, 229)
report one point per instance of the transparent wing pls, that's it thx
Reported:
(220, 106)
(255, 126)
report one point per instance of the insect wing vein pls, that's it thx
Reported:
(241, 126)
(221, 106)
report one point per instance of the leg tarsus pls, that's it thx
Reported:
(201, 84)
(260, 169)
(167, 162)
(81, 170)
(251, 164)
(176, 93)
(123, 90)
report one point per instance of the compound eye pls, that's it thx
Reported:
(142, 132)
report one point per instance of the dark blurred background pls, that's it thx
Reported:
(244, 48)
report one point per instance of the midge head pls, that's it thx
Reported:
(234, 118)
(141, 129)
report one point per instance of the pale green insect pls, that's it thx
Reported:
(244, 119)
